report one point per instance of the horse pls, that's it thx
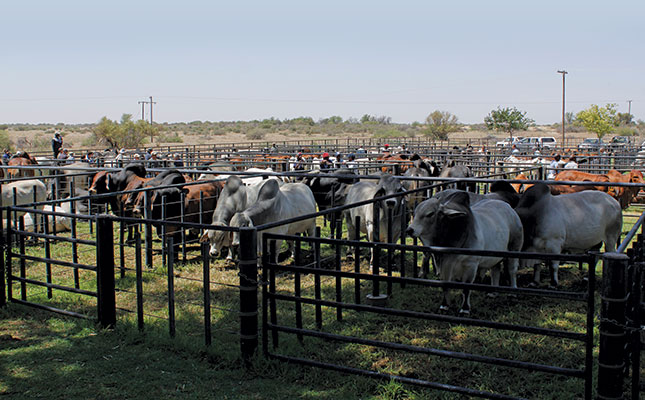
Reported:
(20, 159)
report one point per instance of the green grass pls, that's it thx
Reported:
(42, 354)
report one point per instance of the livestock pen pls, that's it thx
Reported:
(374, 338)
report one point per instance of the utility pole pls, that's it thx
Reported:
(564, 73)
(143, 104)
(629, 108)
(151, 103)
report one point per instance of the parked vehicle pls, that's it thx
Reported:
(619, 142)
(591, 144)
(535, 143)
(506, 142)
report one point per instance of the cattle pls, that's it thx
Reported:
(499, 190)
(625, 195)
(579, 176)
(254, 176)
(361, 191)
(454, 222)
(329, 189)
(76, 174)
(234, 197)
(136, 200)
(26, 192)
(420, 169)
(574, 223)
(277, 203)
(452, 170)
(55, 223)
(105, 182)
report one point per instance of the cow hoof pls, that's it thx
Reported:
(349, 257)
(534, 284)
(491, 295)
(464, 313)
(444, 308)
(553, 287)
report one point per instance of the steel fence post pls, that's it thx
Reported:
(612, 321)
(248, 293)
(105, 272)
(3, 296)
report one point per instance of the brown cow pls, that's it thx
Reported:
(625, 195)
(579, 176)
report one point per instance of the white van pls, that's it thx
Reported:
(534, 142)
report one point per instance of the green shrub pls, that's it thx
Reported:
(172, 138)
(255, 134)
(625, 131)
(5, 140)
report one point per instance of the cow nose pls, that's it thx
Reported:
(409, 231)
(213, 253)
(390, 203)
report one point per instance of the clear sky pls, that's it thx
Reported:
(76, 61)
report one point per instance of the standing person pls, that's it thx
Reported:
(57, 144)
(361, 151)
(6, 156)
(351, 161)
(339, 160)
(515, 151)
(553, 167)
(176, 160)
(572, 164)
(299, 164)
(148, 154)
(326, 163)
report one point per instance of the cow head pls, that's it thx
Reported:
(451, 220)
(388, 185)
(218, 239)
(423, 220)
(239, 220)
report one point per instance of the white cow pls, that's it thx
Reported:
(362, 191)
(247, 180)
(57, 223)
(24, 193)
(571, 223)
(277, 203)
(454, 222)
(234, 197)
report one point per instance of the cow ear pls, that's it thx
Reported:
(453, 213)
(204, 238)
(380, 191)
(269, 190)
(450, 164)
(233, 183)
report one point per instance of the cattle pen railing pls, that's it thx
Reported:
(622, 319)
(248, 275)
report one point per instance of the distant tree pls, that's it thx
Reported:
(599, 120)
(367, 119)
(334, 119)
(569, 118)
(625, 118)
(507, 120)
(439, 124)
(126, 133)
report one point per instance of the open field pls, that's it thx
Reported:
(38, 137)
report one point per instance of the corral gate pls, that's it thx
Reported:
(347, 300)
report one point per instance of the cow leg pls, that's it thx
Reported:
(351, 233)
(495, 274)
(469, 274)
(537, 267)
(553, 268)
